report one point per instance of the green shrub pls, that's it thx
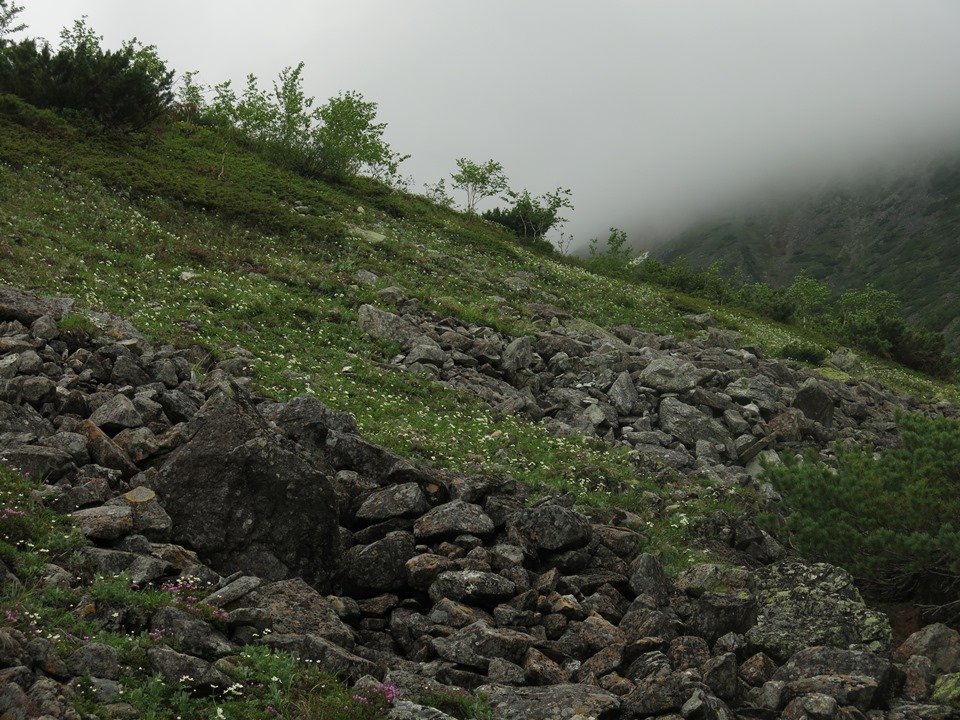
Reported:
(124, 89)
(890, 520)
(804, 352)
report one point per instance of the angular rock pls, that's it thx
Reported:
(106, 452)
(404, 500)
(550, 702)
(381, 565)
(477, 644)
(43, 464)
(245, 500)
(296, 608)
(380, 323)
(116, 414)
(939, 643)
(179, 670)
(803, 605)
(472, 585)
(104, 523)
(667, 375)
(549, 527)
(814, 402)
(688, 424)
(451, 519)
(195, 636)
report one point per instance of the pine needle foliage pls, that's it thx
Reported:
(891, 519)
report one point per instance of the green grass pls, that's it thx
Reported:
(199, 241)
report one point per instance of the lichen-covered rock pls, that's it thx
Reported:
(477, 644)
(937, 642)
(472, 586)
(549, 527)
(946, 690)
(451, 519)
(571, 702)
(803, 605)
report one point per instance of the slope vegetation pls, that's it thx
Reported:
(899, 234)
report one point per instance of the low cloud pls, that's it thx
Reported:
(655, 114)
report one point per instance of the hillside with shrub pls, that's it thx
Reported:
(513, 481)
(897, 232)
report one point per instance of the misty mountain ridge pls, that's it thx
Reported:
(897, 231)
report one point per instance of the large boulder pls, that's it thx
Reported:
(804, 605)
(688, 424)
(246, 499)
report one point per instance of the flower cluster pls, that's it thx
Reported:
(186, 592)
(375, 700)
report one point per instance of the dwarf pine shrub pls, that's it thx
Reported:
(890, 519)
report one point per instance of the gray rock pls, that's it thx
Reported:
(195, 636)
(549, 527)
(814, 402)
(453, 518)
(477, 644)
(380, 323)
(246, 500)
(42, 463)
(326, 654)
(404, 500)
(623, 393)
(104, 522)
(97, 659)
(688, 424)
(423, 352)
(177, 406)
(648, 578)
(757, 389)
(576, 702)
(293, 607)
(116, 414)
(719, 613)
(668, 375)
(472, 585)
(518, 355)
(185, 671)
(381, 565)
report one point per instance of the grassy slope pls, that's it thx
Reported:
(899, 234)
(198, 240)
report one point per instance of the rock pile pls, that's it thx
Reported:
(320, 543)
(708, 403)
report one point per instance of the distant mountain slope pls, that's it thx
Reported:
(901, 234)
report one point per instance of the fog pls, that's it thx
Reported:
(653, 113)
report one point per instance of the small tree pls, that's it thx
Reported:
(532, 217)
(479, 181)
(350, 139)
(438, 193)
(809, 297)
(8, 14)
(616, 254)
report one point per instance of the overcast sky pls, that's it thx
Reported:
(651, 111)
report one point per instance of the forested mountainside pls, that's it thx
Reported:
(901, 234)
